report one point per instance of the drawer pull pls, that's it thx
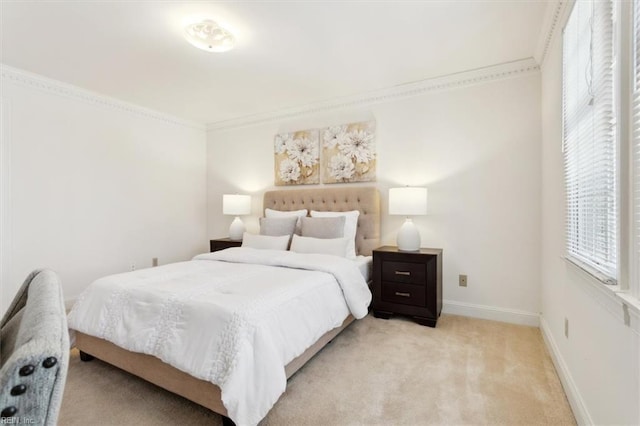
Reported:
(407, 273)
(399, 293)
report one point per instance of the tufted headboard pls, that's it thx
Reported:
(364, 199)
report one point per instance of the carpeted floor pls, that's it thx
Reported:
(377, 372)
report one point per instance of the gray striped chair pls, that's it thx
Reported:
(34, 352)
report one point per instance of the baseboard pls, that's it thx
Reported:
(491, 313)
(458, 308)
(575, 400)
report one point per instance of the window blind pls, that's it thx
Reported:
(589, 138)
(635, 148)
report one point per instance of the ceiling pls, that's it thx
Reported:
(289, 53)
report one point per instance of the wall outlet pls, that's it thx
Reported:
(462, 281)
(566, 328)
(132, 266)
(154, 261)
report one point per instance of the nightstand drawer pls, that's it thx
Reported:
(404, 272)
(406, 294)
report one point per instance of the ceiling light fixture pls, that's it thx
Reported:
(210, 36)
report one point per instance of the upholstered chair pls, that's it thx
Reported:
(34, 352)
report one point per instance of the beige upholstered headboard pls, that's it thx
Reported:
(364, 199)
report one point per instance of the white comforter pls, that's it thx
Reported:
(234, 317)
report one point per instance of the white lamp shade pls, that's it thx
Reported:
(236, 205)
(408, 201)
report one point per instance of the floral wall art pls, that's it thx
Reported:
(349, 153)
(297, 158)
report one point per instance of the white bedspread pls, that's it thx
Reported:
(235, 317)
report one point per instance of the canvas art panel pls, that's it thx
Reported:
(297, 158)
(349, 153)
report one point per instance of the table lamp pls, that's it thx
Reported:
(408, 201)
(236, 205)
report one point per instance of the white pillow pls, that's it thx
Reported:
(333, 246)
(350, 227)
(265, 241)
(281, 213)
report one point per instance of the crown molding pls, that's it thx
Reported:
(443, 83)
(448, 82)
(552, 25)
(59, 88)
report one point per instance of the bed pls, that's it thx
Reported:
(172, 376)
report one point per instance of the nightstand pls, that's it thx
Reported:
(407, 283)
(223, 243)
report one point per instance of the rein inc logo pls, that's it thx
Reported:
(17, 421)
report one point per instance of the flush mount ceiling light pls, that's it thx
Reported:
(208, 35)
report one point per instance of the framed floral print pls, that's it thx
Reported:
(297, 158)
(349, 153)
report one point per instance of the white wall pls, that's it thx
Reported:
(477, 149)
(94, 188)
(600, 360)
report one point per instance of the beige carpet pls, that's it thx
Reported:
(377, 372)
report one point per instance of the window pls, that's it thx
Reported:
(589, 139)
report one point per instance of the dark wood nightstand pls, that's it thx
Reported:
(407, 283)
(223, 243)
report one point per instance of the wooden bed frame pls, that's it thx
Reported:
(152, 369)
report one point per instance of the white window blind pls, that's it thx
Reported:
(635, 122)
(589, 133)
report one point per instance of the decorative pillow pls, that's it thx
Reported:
(265, 241)
(323, 227)
(280, 213)
(333, 246)
(350, 227)
(276, 226)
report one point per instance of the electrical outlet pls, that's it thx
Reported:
(132, 266)
(462, 281)
(154, 261)
(566, 328)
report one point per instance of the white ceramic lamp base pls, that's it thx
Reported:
(236, 230)
(408, 238)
